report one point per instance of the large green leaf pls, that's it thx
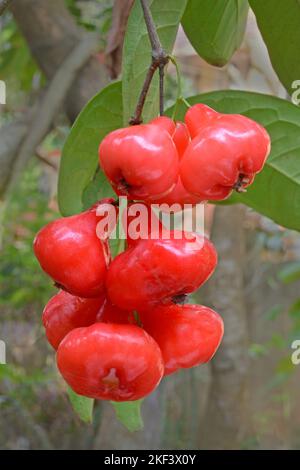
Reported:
(217, 30)
(279, 22)
(83, 406)
(167, 15)
(80, 154)
(276, 190)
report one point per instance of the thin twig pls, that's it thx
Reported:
(136, 119)
(3, 5)
(161, 89)
(152, 32)
(159, 60)
(39, 154)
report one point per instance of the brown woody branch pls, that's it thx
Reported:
(52, 34)
(115, 39)
(159, 60)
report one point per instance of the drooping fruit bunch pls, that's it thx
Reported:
(120, 325)
(205, 158)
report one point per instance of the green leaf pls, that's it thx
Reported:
(290, 273)
(215, 31)
(279, 25)
(129, 414)
(79, 161)
(167, 15)
(98, 188)
(276, 190)
(82, 406)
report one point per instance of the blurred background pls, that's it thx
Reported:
(247, 398)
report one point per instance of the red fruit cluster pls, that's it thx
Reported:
(204, 158)
(118, 325)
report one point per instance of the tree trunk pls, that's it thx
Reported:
(226, 419)
(51, 34)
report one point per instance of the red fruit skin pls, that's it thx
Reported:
(198, 117)
(181, 137)
(110, 362)
(140, 162)
(109, 313)
(154, 271)
(179, 195)
(70, 252)
(227, 151)
(164, 122)
(64, 312)
(188, 335)
(141, 222)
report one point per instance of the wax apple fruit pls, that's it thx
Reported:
(139, 221)
(157, 270)
(140, 162)
(110, 362)
(199, 117)
(181, 138)
(70, 252)
(64, 312)
(188, 335)
(109, 313)
(226, 152)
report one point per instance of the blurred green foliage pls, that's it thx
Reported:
(17, 67)
(21, 279)
(92, 15)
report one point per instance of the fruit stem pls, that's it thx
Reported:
(180, 98)
(159, 60)
(179, 299)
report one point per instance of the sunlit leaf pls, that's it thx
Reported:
(215, 31)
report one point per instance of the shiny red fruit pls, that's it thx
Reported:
(188, 335)
(181, 138)
(157, 270)
(200, 116)
(110, 362)
(70, 252)
(140, 162)
(64, 312)
(226, 152)
(139, 221)
(164, 122)
(109, 313)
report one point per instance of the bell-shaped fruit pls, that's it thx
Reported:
(140, 162)
(110, 362)
(155, 270)
(188, 335)
(64, 312)
(226, 152)
(70, 252)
